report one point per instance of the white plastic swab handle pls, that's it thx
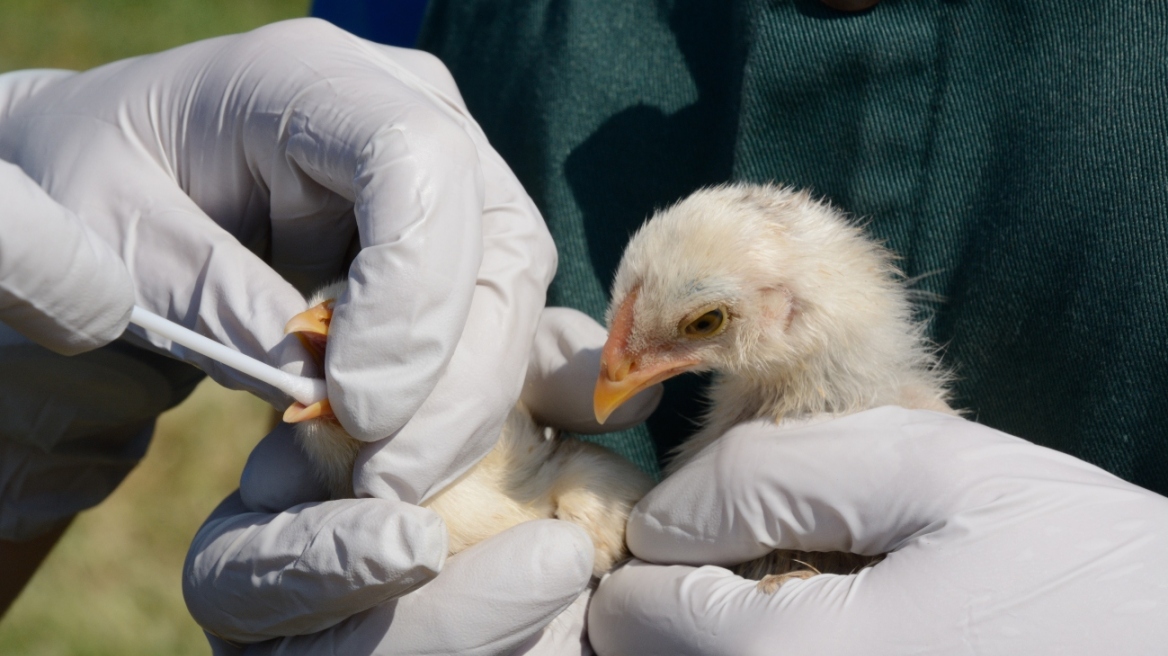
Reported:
(304, 390)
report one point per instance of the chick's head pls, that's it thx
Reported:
(745, 280)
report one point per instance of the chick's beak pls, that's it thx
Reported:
(623, 374)
(311, 327)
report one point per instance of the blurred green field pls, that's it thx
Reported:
(78, 34)
(112, 584)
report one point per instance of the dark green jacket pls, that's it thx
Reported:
(1015, 154)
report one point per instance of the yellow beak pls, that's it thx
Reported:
(621, 380)
(312, 322)
(311, 327)
(300, 412)
(621, 373)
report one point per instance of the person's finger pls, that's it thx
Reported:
(60, 285)
(425, 68)
(646, 609)
(565, 635)
(562, 371)
(18, 86)
(678, 610)
(279, 475)
(866, 483)
(489, 599)
(253, 576)
(461, 419)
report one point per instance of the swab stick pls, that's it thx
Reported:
(304, 390)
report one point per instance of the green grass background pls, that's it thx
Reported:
(112, 584)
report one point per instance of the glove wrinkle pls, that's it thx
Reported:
(489, 599)
(60, 285)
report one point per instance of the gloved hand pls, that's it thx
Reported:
(275, 561)
(330, 573)
(562, 371)
(230, 173)
(60, 285)
(998, 546)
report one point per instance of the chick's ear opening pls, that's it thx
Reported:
(779, 306)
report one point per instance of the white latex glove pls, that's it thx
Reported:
(998, 546)
(331, 572)
(562, 371)
(274, 561)
(225, 171)
(60, 285)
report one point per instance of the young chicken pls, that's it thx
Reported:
(531, 473)
(797, 312)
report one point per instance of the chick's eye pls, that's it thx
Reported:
(706, 325)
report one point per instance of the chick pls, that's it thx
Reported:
(797, 312)
(531, 473)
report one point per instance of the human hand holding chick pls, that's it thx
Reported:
(264, 565)
(995, 546)
(230, 174)
(233, 173)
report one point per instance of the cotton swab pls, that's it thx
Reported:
(304, 390)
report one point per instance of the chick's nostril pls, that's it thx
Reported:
(616, 369)
(622, 370)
